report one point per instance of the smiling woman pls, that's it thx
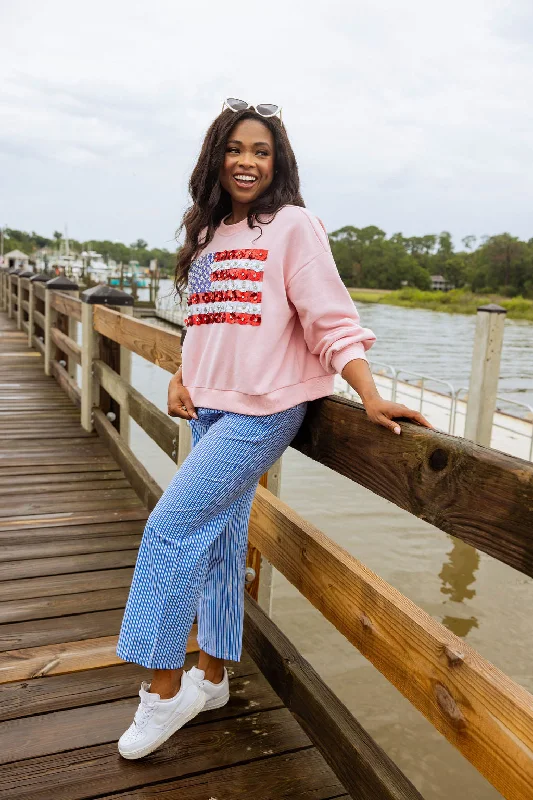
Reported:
(269, 324)
(248, 168)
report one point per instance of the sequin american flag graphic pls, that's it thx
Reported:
(226, 287)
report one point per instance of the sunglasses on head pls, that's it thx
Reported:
(263, 109)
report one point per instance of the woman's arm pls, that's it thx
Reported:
(382, 412)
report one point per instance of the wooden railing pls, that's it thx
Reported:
(479, 495)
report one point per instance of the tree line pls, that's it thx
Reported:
(139, 251)
(367, 258)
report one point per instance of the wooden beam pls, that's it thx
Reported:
(481, 496)
(358, 762)
(140, 479)
(39, 319)
(158, 345)
(154, 422)
(481, 711)
(58, 659)
(38, 344)
(69, 386)
(39, 290)
(66, 344)
(66, 304)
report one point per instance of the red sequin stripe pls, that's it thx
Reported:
(218, 297)
(231, 317)
(229, 255)
(236, 275)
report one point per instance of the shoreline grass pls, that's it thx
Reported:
(457, 301)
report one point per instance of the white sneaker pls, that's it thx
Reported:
(156, 720)
(217, 693)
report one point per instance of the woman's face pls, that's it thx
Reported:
(248, 168)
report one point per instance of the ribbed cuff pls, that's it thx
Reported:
(350, 353)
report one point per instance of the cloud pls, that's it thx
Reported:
(412, 116)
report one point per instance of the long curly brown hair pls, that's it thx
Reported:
(211, 202)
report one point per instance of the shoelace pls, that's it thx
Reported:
(143, 714)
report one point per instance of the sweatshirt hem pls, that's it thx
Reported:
(262, 404)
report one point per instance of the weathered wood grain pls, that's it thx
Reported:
(39, 290)
(481, 711)
(56, 659)
(142, 482)
(61, 583)
(481, 496)
(66, 344)
(66, 304)
(360, 764)
(68, 384)
(157, 425)
(74, 690)
(76, 545)
(88, 772)
(54, 630)
(36, 567)
(39, 608)
(156, 344)
(302, 775)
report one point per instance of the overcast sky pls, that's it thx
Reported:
(415, 116)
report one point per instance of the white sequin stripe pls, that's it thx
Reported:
(218, 308)
(238, 263)
(239, 286)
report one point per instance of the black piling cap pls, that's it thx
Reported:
(106, 295)
(26, 274)
(40, 276)
(62, 283)
(15, 270)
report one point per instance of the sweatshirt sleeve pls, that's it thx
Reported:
(329, 319)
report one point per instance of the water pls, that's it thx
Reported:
(474, 595)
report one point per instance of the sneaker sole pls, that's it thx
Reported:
(194, 709)
(216, 703)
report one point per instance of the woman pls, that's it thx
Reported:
(270, 323)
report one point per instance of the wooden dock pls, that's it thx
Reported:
(73, 501)
(70, 525)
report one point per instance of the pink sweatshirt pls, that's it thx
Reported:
(270, 321)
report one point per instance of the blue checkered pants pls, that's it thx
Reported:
(192, 556)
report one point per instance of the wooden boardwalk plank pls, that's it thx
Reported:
(90, 771)
(302, 775)
(75, 689)
(38, 608)
(37, 567)
(56, 659)
(74, 628)
(72, 546)
(65, 584)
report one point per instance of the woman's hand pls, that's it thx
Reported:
(179, 399)
(383, 412)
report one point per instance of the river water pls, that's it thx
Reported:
(474, 595)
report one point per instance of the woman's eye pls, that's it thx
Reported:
(232, 150)
(263, 153)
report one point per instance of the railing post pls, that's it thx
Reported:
(125, 373)
(265, 594)
(60, 284)
(3, 271)
(185, 433)
(95, 346)
(34, 301)
(483, 388)
(11, 281)
(23, 276)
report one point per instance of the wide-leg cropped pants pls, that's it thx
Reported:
(192, 556)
